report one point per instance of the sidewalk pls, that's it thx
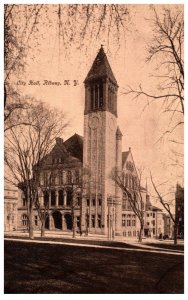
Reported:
(59, 235)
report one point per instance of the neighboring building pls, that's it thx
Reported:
(168, 226)
(179, 209)
(154, 220)
(10, 207)
(101, 207)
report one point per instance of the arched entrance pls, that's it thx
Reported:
(57, 217)
(68, 221)
(47, 223)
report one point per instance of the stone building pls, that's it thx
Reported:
(10, 206)
(80, 168)
(61, 174)
(154, 220)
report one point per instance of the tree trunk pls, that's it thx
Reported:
(175, 234)
(73, 226)
(31, 233)
(30, 219)
(42, 232)
(140, 233)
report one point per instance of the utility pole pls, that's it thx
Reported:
(111, 218)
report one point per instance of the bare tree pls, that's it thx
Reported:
(166, 48)
(20, 24)
(134, 197)
(74, 24)
(26, 146)
(77, 193)
(167, 204)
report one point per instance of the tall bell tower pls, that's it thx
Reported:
(100, 142)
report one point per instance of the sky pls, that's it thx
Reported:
(141, 128)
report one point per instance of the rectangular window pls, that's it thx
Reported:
(129, 233)
(133, 222)
(128, 222)
(148, 223)
(93, 221)
(87, 202)
(148, 215)
(24, 220)
(153, 215)
(153, 222)
(93, 201)
(99, 202)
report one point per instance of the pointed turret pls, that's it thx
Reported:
(101, 68)
(118, 134)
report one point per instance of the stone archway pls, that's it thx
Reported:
(68, 221)
(57, 218)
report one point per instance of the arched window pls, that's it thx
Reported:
(101, 95)
(69, 197)
(126, 180)
(96, 96)
(92, 98)
(24, 220)
(61, 177)
(53, 198)
(109, 99)
(78, 199)
(61, 197)
(46, 197)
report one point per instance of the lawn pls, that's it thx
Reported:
(44, 268)
(164, 245)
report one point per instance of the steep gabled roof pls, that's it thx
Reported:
(100, 68)
(74, 145)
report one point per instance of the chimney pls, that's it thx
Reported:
(59, 141)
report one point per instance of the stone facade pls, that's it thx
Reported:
(76, 174)
(60, 179)
(10, 207)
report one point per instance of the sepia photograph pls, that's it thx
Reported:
(93, 148)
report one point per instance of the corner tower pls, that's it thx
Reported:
(99, 153)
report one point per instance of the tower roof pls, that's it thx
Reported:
(118, 134)
(100, 68)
